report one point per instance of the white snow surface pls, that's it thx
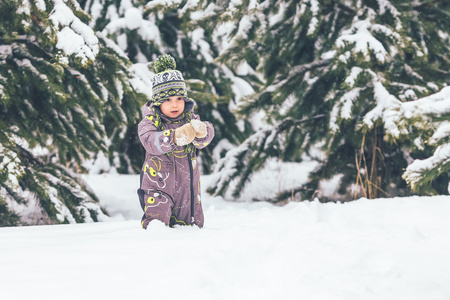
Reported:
(395, 248)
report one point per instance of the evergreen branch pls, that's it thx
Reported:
(421, 172)
(30, 41)
(247, 158)
(283, 127)
(18, 198)
(33, 43)
(443, 72)
(420, 5)
(346, 8)
(296, 71)
(25, 154)
(256, 100)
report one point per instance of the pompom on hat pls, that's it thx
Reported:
(168, 81)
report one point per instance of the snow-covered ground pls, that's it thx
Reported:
(367, 249)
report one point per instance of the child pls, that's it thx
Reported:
(170, 132)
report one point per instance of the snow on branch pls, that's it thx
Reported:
(131, 18)
(74, 37)
(77, 189)
(430, 112)
(242, 160)
(298, 71)
(162, 3)
(441, 133)
(432, 109)
(314, 10)
(395, 113)
(385, 5)
(11, 166)
(422, 171)
(388, 109)
(346, 7)
(435, 105)
(228, 167)
(343, 108)
(360, 35)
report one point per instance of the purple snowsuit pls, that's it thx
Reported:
(170, 178)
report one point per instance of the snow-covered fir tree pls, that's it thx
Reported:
(347, 84)
(61, 87)
(358, 86)
(145, 29)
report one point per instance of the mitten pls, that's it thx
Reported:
(200, 128)
(184, 135)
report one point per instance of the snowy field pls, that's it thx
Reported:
(384, 249)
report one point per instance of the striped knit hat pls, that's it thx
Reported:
(167, 82)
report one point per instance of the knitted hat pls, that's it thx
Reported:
(167, 82)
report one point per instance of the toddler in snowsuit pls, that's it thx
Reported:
(170, 132)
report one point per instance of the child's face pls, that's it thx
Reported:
(173, 107)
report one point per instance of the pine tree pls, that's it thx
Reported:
(145, 29)
(336, 77)
(430, 115)
(61, 87)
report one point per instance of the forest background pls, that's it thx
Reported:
(351, 94)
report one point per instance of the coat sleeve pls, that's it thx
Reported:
(155, 142)
(203, 142)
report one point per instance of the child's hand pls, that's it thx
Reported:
(184, 135)
(200, 128)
